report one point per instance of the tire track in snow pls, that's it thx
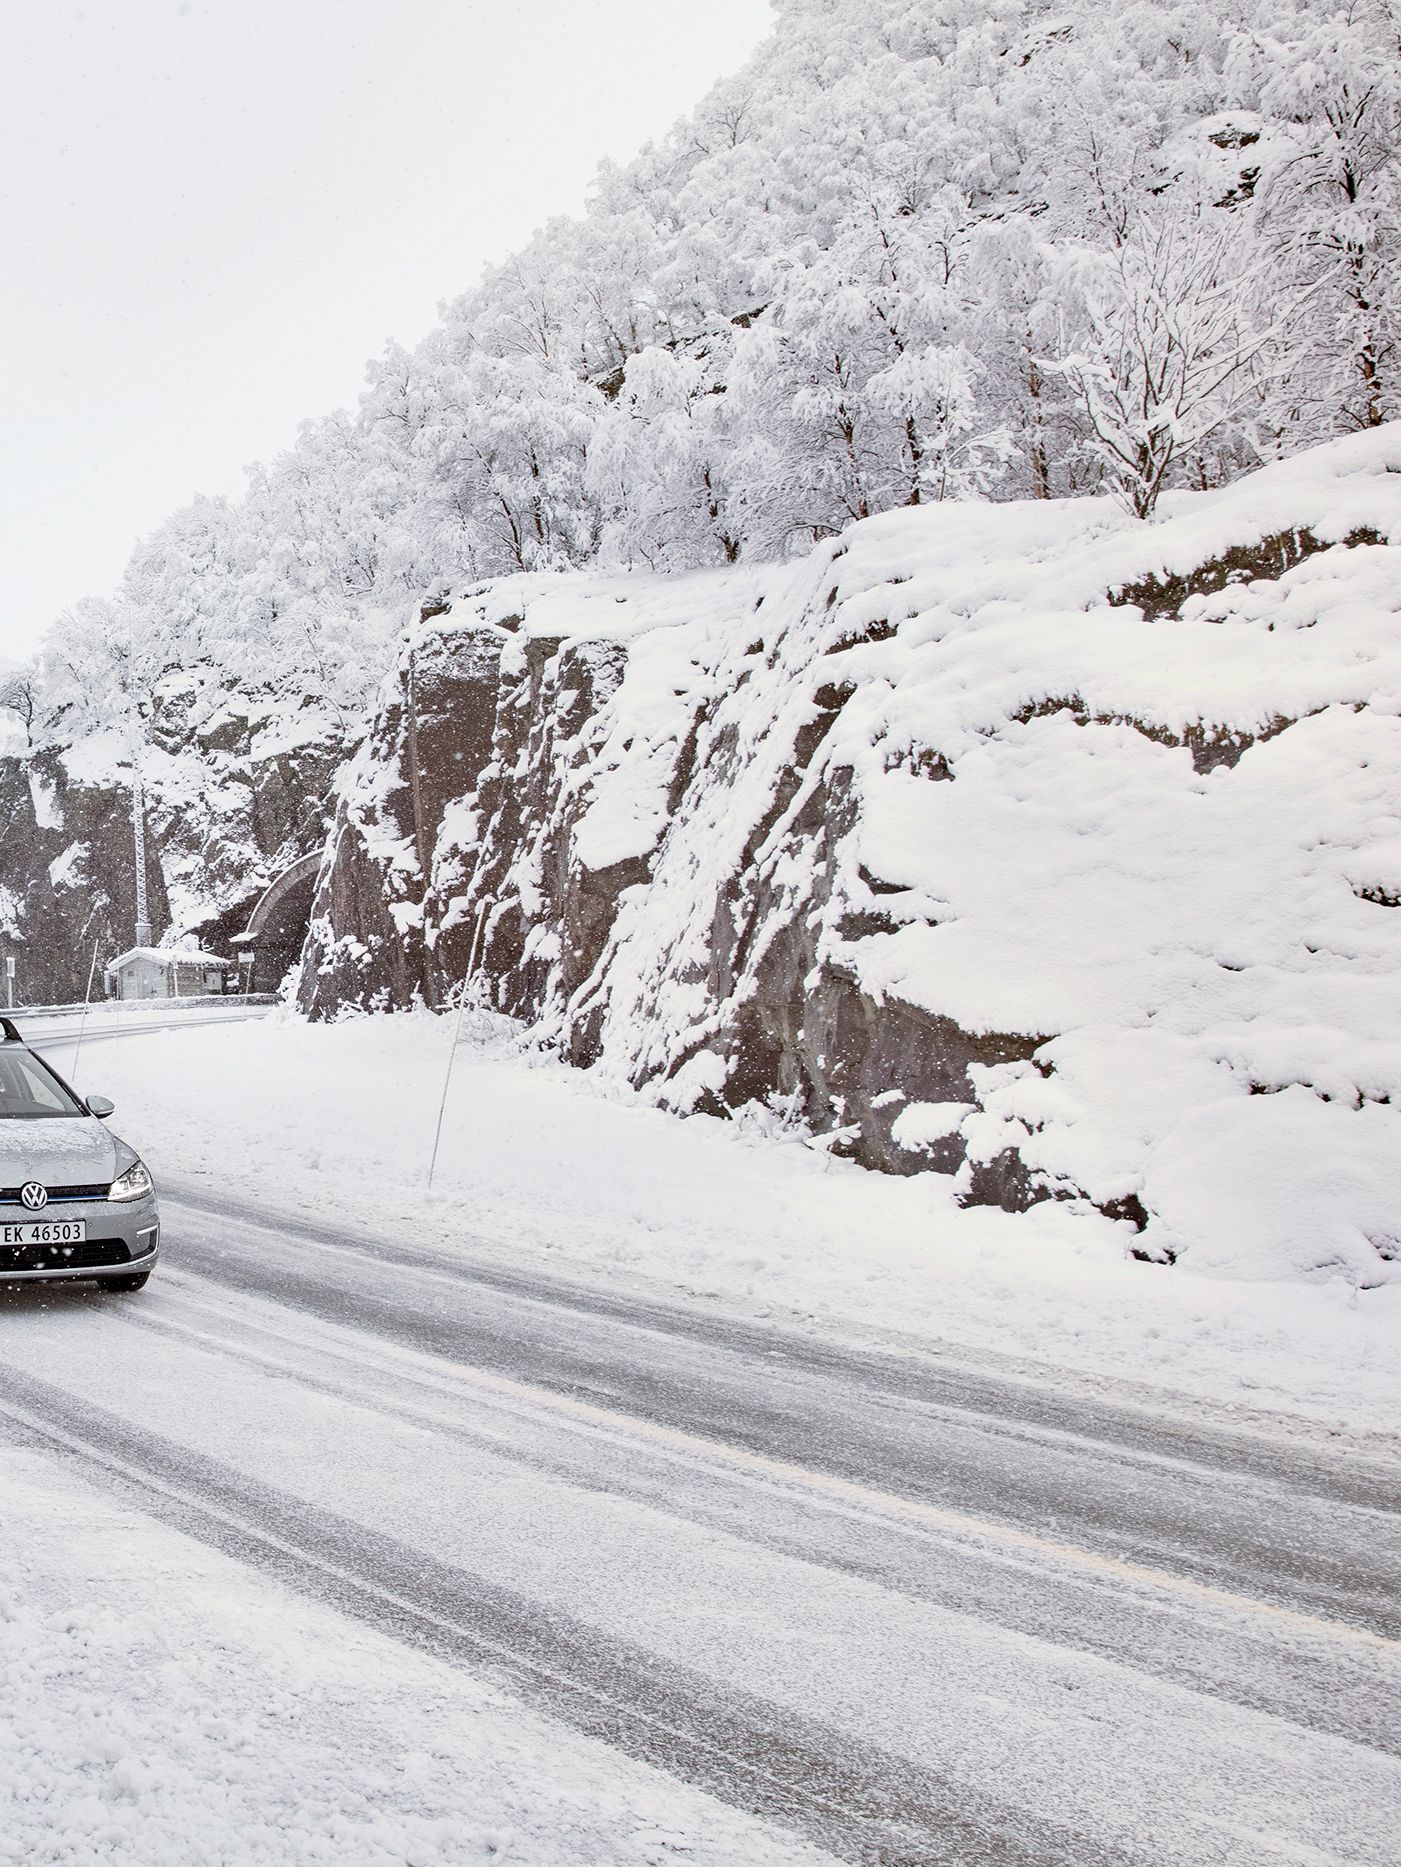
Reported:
(1012, 1397)
(1250, 1517)
(1320, 1676)
(846, 1795)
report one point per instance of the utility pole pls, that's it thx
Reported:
(138, 824)
(415, 775)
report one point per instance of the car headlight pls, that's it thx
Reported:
(135, 1183)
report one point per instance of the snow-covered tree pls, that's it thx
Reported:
(1168, 330)
(911, 252)
(1330, 204)
(20, 698)
(659, 461)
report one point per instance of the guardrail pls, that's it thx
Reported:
(130, 1007)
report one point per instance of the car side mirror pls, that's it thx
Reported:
(100, 1106)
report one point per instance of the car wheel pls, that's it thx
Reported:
(138, 1282)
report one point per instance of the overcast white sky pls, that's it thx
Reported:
(213, 211)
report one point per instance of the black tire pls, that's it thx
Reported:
(137, 1282)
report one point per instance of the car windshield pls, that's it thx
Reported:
(29, 1090)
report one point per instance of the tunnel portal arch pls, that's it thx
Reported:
(277, 926)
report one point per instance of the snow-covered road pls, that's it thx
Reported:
(918, 1615)
(437, 1556)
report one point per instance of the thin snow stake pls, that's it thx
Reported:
(457, 1032)
(87, 1000)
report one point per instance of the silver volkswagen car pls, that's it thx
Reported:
(75, 1201)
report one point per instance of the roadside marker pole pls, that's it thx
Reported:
(456, 1033)
(87, 1000)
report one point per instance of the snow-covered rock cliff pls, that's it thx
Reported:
(1024, 842)
(236, 789)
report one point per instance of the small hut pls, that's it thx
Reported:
(168, 972)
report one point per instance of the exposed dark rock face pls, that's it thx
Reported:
(429, 743)
(67, 878)
(231, 800)
(487, 755)
(544, 917)
(1159, 595)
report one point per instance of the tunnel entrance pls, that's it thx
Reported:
(277, 926)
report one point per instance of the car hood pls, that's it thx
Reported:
(69, 1151)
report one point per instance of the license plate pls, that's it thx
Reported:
(45, 1232)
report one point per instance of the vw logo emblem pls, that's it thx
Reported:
(34, 1197)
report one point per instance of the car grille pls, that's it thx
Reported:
(9, 1195)
(96, 1253)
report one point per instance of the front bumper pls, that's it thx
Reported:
(124, 1234)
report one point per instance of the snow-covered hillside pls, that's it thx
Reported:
(1022, 842)
(906, 256)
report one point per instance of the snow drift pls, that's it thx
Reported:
(1022, 842)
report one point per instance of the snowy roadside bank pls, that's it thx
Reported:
(539, 1165)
